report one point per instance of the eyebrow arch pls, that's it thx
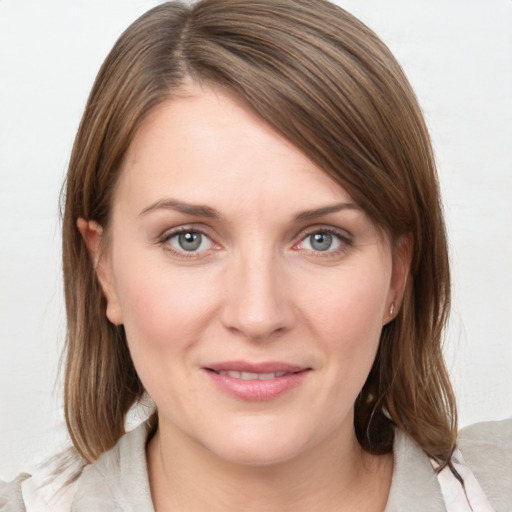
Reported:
(199, 210)
(196, 210)
(319, 212)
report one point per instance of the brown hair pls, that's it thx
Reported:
(329, 85)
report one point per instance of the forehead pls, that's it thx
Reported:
(205, 147)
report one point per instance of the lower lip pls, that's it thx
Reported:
(257, 390)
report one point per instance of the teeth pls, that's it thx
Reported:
(251, 375)
(248, 376)
(265, 376)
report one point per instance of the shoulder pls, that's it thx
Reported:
(11, 498)
(487, 451)
(484, 444)
(49, 489)
(116, 481)
(414, 484)
(489, 433)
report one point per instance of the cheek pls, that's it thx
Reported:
(350, 305)
(346, 316)
(163, 310)
(165, 313)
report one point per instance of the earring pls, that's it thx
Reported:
(392, 309)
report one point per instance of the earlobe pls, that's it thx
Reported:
(92, 234)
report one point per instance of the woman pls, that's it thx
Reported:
(253, 237)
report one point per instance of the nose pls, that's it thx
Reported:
(258, 304)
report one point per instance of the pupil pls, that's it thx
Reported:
(189, 241)
(321, 241)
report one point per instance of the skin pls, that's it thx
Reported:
(256, 289)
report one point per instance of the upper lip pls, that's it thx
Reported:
(251, 367)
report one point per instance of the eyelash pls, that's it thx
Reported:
(164, 241)
(345, 240)
(343, 237)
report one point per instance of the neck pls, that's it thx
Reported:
(338, 475)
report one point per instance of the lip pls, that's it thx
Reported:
(251, 367)
(256, 390)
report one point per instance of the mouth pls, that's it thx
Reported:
(249, 375)
(256, 382)
(255, 371)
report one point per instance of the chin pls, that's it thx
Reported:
(258, 446)
(258, 456)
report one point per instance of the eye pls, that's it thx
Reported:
(324, 240)
(321, 241)
(189, 241)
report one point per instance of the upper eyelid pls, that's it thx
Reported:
(170, 232)
(305, 232)
(345, 238)
(164, 241)
(300, 236)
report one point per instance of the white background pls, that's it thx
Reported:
(458, 56)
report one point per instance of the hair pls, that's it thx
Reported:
(329, 85)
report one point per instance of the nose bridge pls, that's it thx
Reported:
(257, 304)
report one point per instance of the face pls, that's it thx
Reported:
(252, 288)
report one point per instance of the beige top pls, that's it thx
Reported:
(118, 481)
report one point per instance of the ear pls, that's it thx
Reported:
(92, 233)
(401, 267)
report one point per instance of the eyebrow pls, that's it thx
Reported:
(197, 210)
(320, 212)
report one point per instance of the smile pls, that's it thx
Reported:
(252, 375)
(255, 382)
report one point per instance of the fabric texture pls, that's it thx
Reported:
(118, 480)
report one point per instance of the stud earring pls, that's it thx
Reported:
(392, 309)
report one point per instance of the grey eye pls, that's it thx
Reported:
(321, 241)
(190, 241)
